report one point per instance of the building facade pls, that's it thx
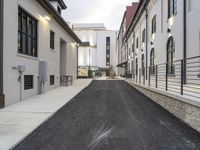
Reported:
(98, 49)
(163, 45)
(124, 52)
(38, 47)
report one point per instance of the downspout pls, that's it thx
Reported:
(146, 43)
(185, 39)
(2, 97)
(77, 62)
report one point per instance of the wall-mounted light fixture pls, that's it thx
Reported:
(47, 18)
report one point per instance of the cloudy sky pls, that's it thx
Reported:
(109, 12)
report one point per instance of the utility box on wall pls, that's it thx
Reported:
(43, 71)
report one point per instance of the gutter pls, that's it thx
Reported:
(77, 62)
(184, 39)
(2, 97)
(51, 10)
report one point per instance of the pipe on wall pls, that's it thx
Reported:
(184, 38)
(146, 43)
(2, 99)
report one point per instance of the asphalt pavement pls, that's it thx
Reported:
(112, 115)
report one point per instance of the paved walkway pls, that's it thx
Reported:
(112, 115)
(20, 119)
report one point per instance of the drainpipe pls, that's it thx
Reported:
(2, 97)
(77, 61)
(184, 39)
(146, 43)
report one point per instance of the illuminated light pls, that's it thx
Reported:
(153, 36)
(143, 45)
(170, 35)
(73, 44)
(171, 21)
(47, 18)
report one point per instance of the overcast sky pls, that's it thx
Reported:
(109, 12)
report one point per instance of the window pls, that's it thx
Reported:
(142, 65)
(153, 25)
(28, 82)
(143, 36)
(152, 62)
(133, 48)
(52, 80)
(171, 56)
(172, 8)
(59, 10)
(107, 51)
(52, 39)
(27, 34)
(137, 44)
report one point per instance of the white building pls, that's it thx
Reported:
(38, 46)
(98, 49)
(163, 45)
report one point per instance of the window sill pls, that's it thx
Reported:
(26, 56)
(52, 50)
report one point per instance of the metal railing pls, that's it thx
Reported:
(179, 77)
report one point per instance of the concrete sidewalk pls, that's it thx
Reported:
(20, 119)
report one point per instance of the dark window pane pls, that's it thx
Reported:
(29, 46)
(34, 29)
(28, 82)
(24, 23)
(19, 42)
(20, 20)
(29, 26)
(52, 80)
(23, 43)
(27, 34)
(52, 39)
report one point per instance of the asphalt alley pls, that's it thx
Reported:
(112, 115)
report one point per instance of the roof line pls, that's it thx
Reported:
(51, 10)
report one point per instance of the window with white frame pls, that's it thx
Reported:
(172, 8)
(153, 25)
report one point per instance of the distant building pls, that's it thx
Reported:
(97, 51)
(36, 47)
(122, 41)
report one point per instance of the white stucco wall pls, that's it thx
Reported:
(160, 39)
(13, 59)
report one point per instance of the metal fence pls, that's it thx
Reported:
(179, 77)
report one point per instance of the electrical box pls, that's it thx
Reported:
(21, 68)
(43, 71)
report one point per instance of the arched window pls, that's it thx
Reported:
(171, 55)
(152, 61)
(172, 8)
(142, 65)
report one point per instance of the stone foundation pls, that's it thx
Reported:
(187, 112)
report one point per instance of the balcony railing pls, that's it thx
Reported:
(180, 77)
